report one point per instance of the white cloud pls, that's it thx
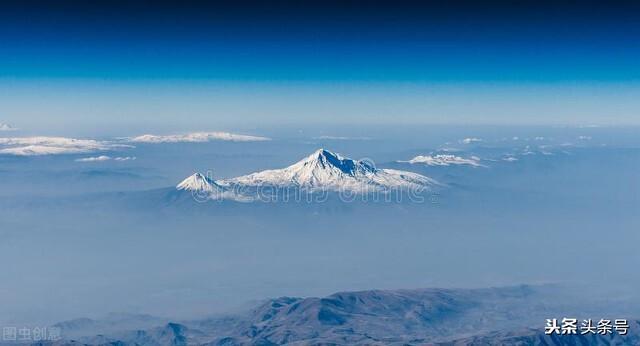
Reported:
(32, 146)
(445, 160)
(584, 138)
(105, 158)
(470, 140)
(7, 127)
(94, 159)
(197, 137)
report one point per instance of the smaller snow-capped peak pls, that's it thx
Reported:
(197, 182)
(204, 189)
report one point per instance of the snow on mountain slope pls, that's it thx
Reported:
(325, 170)
(321, 171)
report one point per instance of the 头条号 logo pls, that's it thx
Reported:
(573, 326)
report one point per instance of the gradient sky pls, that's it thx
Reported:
(199, 64)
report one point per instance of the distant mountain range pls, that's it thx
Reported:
(444, 160)
(322, 171)
(494, 316)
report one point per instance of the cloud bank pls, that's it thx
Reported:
(105, 158)
(197, 137)
(34, 146)
(444, 160)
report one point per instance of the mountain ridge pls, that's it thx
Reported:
(322, 171)
(430, 316)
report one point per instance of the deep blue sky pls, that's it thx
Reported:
(463, 41)
(242, 63)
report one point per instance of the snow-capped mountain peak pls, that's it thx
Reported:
(323, 159)
(323, 170)
(331, 171)
(197, 182)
